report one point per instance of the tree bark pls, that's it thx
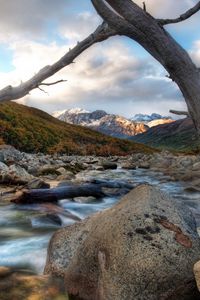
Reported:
(69, 191)
(134, 22)
(55, 194)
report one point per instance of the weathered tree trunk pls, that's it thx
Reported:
(124, 17)
(58, 193)
(140, 26)
(70, 191)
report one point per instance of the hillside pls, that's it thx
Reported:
(179, 135)
(32, 130)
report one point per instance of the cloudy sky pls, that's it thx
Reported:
(116, 75)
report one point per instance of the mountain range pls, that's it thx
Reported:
(32, 130)
(112, 124)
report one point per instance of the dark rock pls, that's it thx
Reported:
(107, 165)
(38, 184)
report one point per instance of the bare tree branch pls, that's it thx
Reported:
(144, 6)
(53, 83)
(12, 93)
(182, 17)
(177, 112)
(42, 90)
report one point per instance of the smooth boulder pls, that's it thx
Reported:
(143, 248)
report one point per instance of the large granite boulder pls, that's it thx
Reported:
(142, 248)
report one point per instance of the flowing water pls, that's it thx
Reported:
(25, 230)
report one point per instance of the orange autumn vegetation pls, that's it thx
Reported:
(32, 130)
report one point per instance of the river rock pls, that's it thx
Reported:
(143, 248)
(14, 174)
(128, 166)
(4, 170)
(46, 220)
(19, 174)
(48, 170)
(108, 165)
(65, 174)
(9, 154)
(144, 165)
(37, 183)
(196, 166)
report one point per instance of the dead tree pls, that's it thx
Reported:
(124, 17)
(129, 19)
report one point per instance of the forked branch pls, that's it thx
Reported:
(182, 17)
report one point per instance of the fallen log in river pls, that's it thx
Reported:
(64, 192)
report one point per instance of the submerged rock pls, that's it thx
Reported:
(46, 220)
(143, 248)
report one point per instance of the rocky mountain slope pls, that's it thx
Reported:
(101, 121)
(32, 130)
(152, 120)
(112, 124)
(179, 135)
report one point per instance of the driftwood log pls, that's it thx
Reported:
(69, 191)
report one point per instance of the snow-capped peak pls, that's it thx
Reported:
(71, 111)
(148, 118)
(57, 113)
(76, 111)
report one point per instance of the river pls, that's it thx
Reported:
(25, 230)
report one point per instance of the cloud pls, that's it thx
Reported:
(195, 52)
(167, 9)
(79, 25)
(36, 19)
(108, 76)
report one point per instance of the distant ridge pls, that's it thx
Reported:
(179, 135)
(99, 120)
(111, 124)
(148, 118)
